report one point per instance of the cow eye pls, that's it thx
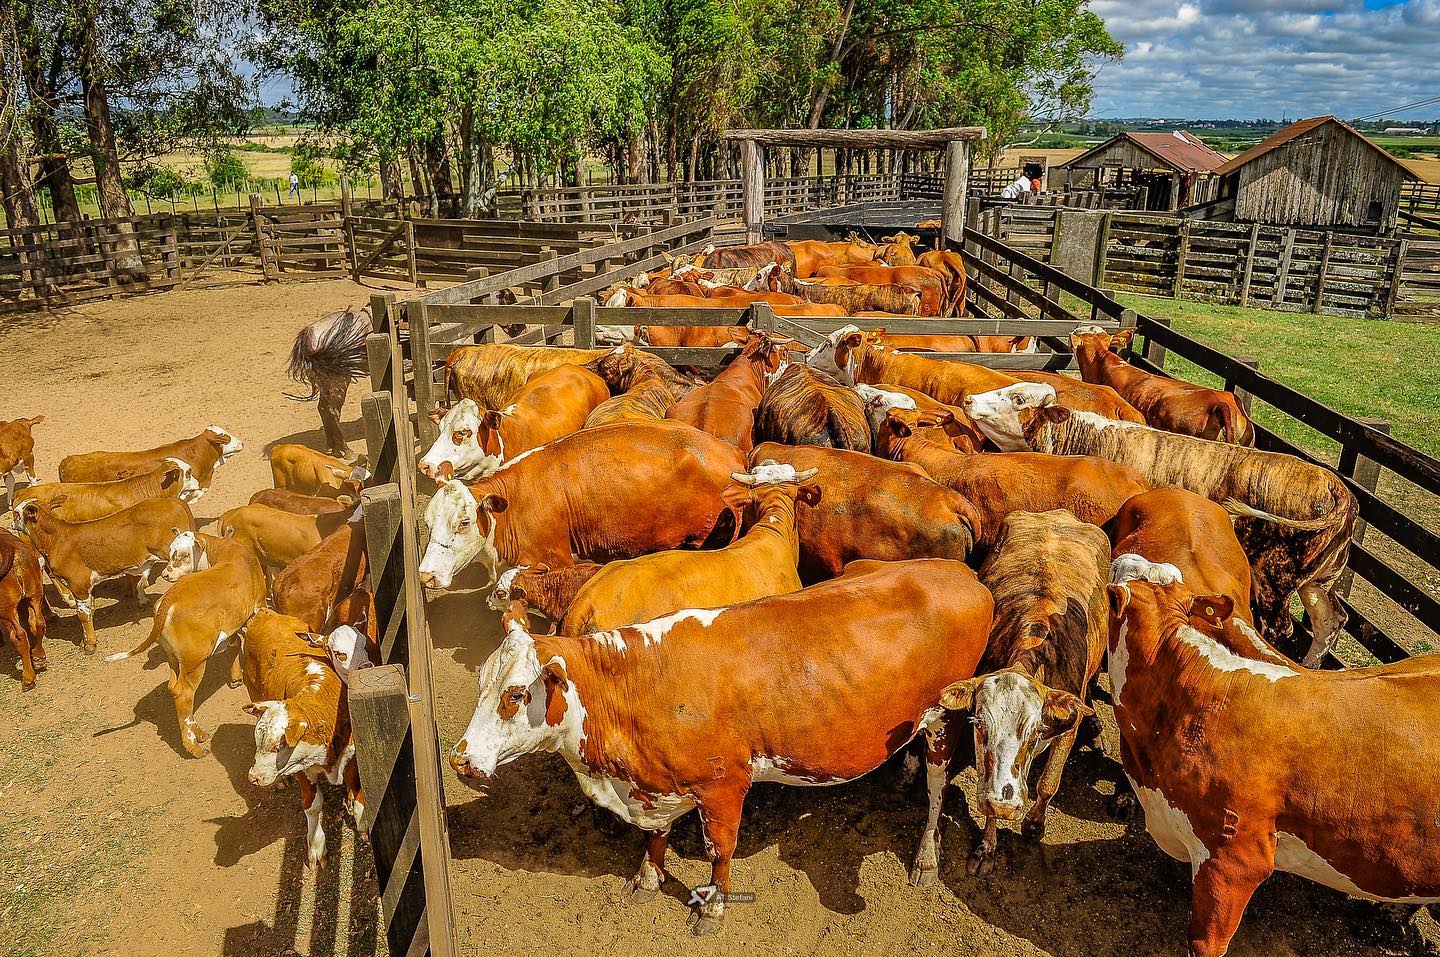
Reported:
(459, 437)
(517, 696)
(464, 524)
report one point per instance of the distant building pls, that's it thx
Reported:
(1404, 130)
(1173, 169)
(1318, 172)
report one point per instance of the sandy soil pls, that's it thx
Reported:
(116, 842)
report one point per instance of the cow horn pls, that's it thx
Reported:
(745, 479)
(806, 475)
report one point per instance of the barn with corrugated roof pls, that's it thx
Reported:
(1319, 172)
(1171, 170)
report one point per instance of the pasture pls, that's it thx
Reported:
(118, 843)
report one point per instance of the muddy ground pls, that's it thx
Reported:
(114, 841)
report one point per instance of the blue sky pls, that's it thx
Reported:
(1253, 58)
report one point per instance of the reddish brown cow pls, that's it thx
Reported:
(549, 591)
(613, 492)
(302, 504)
(665, 730)
(760, 254)
(1091, 487)
(22, 605)
(725, 407)
(17, 453)
(491, 374)
(1193, 535)
(313, 586)
(1168, 404)
(950, 263)
(875, 509)
(213, 447)
(1246, 764)
(934, 286)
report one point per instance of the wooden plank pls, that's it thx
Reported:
(421, 362)
(1283, 273)
(582, 317)
(952, 208)
(752, 180)
(1394, 291)
(1366, 473)
(1181, 257)
(859, 139)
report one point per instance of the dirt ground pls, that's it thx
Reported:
(114, 841)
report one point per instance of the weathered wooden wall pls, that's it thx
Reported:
(1326, 177)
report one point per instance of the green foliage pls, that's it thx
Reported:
(223, 169)
(161, 182)
(311, 171)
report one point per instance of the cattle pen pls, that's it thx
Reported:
(1010, 293)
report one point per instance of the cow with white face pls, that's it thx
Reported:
(878, 404)
(231, 444)
(461, 530)
(833, 354)
(348, 652)
(460, 450)
(1002, 414)
(187, 554)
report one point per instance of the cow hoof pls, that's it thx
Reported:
(635, 894)
(1032, 830)
(27, 686)
(1122, 807)
(924, 876)
(41, 665)
(233, 684)
(89, 648)
(980, 864)
(705, 925)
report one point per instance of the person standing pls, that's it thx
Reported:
(295, 184)
(1023, 184)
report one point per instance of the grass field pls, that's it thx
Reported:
(1361, 367)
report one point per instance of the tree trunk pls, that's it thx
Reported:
(110, 189)
(437, 166)
(694, 156)
(41, 82)
(21, 210)
(392, 181)
(417, 178)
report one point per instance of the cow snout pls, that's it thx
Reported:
(428, 580)
(465, 770)
(261, 779)
(1008, 805)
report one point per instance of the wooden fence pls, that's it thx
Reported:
(1273, 267)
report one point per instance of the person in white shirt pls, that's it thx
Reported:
(294, 184)
(1014, 190)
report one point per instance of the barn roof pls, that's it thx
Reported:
(1300, 128)
(1181, 151)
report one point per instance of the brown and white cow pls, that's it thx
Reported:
(726, 406)
(687, 711)
(802, 406)
(279, 537)
(300, 468)
(473, 442)
(303, 720)
(1091, 487)
(1295, 520)
(759, 254)
(1246, 764)
(548, 591)
(1047, 573)
(302, 504)
(17, 453)
(22, 605)
(145, 541)
(1191, 534)
(199, 616)
(759, 564)
(613, 492)
(873, 509)
(958, 429)
(87, 501)
(203, 453)
(1169, 404)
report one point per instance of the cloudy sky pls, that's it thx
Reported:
(1264, 58)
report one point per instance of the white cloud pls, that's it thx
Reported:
(1249, 58)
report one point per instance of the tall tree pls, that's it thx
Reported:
(41, 33)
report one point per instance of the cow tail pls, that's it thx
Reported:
(1239, 508)
(339, 355)
(161, 617)
(1239, 430)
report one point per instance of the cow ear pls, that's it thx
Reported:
(1119, 597)
(854, 339)
(899, 427)
(738, 334)
(491, 419)
(436, 414)
(1121, 339)
(1062, 712)
(252, 709)
(960, 696)
(172, 475)
(541, 568)
(295, 731)
(1212, 609)
(494, 504)
(809, 494)
(553, 674)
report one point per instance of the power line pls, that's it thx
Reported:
(1396, 109)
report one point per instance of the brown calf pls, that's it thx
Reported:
(300, 468)
(201, 614)
(140, 541)
(202, 453)
(1168, 404)
(302, 504)
(549, 591)
(312, 587)
(17, 453)
(87, 501)
(278, 537)
(22, 605)
(805, 407)
(725, 408)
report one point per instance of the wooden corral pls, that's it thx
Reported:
(1165, 170)
(1319, 172)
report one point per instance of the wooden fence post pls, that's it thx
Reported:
(582, 318)
(257, 220)
(1282, 274)
(1154, 351)
(377, 344)
(1322, 273)
(421, 363)
(1242, 398)
(410, 262)
(1401, 249)
(1181, 258)
(487, 334)
(761, 317)
(552, 280)
(1249, 264)
(1365, 473)
(1102, 248)
(752, 189)
(957, 181)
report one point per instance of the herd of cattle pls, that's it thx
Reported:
(287, 571)
(792, 570)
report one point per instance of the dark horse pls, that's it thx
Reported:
(328, 355)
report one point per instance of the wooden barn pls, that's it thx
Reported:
(1172, 170)
(1319, 172)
